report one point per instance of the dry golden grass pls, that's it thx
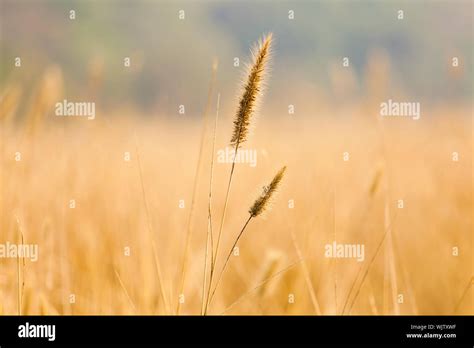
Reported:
(252, 92)
(135, 204)
(81, 248)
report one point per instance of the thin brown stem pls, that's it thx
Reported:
(228, 258)
(307, 278)
(466, 290)
(150, 229)
(366, 271)
(125, 291)
(195, 186)
(225, 203)
(210, 238)
(213, 264)
(21, 283)
(262, 283)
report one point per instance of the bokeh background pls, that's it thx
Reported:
(135, 204)
(171, 58)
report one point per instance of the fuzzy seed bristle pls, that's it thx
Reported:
(252, 90)
(261, 203)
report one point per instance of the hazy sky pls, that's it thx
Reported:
(171, 55)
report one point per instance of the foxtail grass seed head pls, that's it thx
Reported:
(252, 90)
(261, 203)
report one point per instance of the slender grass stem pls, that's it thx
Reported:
(210, 238)
(228, 258)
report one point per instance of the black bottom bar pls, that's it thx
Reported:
(291, 330)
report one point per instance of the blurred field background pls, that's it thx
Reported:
(81, 250)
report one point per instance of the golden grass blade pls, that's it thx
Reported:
(210, 238)
(150, 230)
(196, 182)
(20, 273)
(309, 284)
(466, 290)
(366, 271)
(9, 103)
(125, 291)
(262, 283)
